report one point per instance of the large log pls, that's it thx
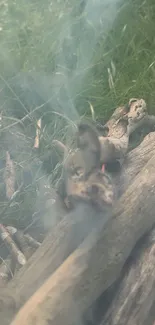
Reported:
(58, 245)
(98, 261)
(135, 161)
(134, 300)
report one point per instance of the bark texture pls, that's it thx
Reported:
(134, 301)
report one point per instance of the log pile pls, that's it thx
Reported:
(93, 263)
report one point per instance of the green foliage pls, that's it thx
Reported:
(103, 55)
(38, 36)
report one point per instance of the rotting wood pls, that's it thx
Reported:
(136, 110)
(97, 263)
(135, 122)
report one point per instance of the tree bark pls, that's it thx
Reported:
(134, 300)
(135, 161)
(98, 261)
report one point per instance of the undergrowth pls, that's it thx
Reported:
(58, 58)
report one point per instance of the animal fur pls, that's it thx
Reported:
(82, 176)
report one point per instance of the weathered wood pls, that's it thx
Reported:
(135, 161)
(135, 296)
(138, 117)
(58, 245)
(97, 263)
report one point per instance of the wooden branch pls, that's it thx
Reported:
(37, 138)
(97, 263)
(11, 245)
(135, 296)
(9, 176)
(58, 245)
(134, 123)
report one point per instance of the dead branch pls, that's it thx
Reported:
(37, 138)
(6, 270)
(9, 176)
(138, 116)
(136, 111)
(97, 263)
(11, 245)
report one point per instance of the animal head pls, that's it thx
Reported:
(82, 175)
(137, 109)
(97, 190)
(89, 146)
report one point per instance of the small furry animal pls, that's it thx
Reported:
(111, 148)
(82, 177)
(114, 147)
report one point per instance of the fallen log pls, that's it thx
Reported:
(135, 297)
(135, 161)
(97, 262)
(58, 245)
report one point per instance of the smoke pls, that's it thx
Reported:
(78, 44)
(51, 96)
(78, 41)
(79, 32)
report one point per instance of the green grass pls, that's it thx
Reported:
(94, 57)
(55, 38)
